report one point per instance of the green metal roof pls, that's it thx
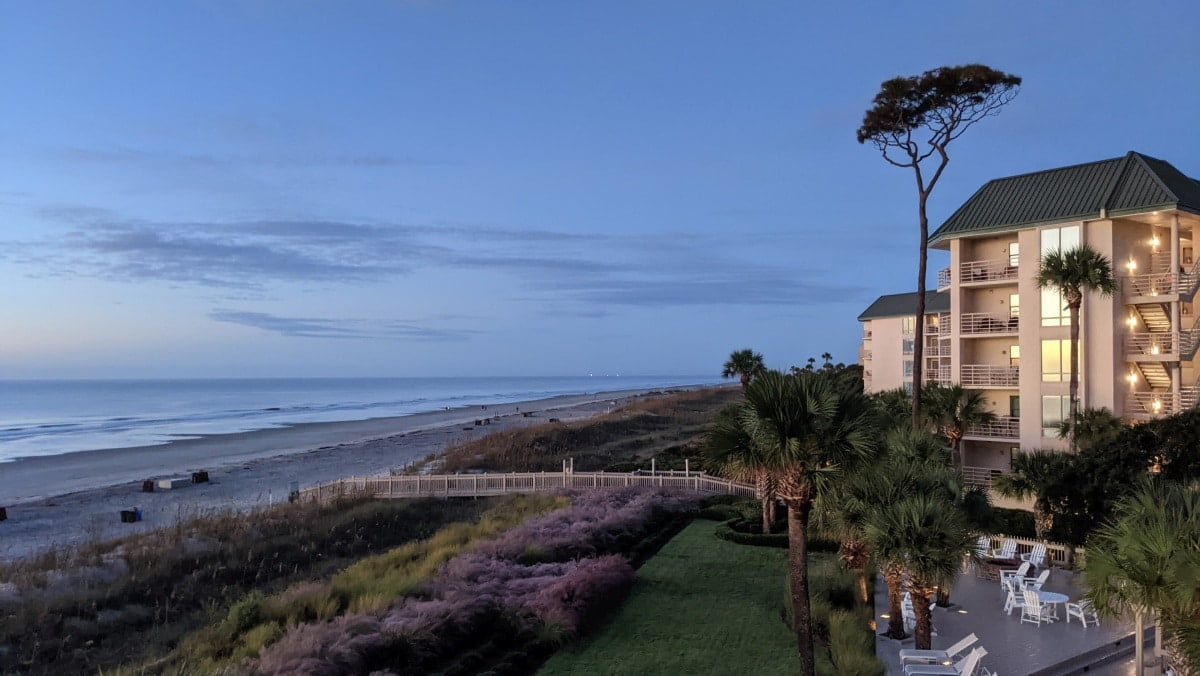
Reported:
(1122, 185)
(905, 304)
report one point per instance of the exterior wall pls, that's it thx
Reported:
(887, 358)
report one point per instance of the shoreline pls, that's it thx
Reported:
(68, 499)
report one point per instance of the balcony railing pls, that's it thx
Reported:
(940, 375)
(866, 355)
(1004, 427)
(980, 476)
(1150, 344)
(983, 375)
(1159, 284)
(943, 279)
(1153, 404)
(981, 323)
(986, 271)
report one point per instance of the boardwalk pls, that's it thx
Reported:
(480, 485)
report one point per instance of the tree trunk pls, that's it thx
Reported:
(892, 575)
(771, 510)
(919, 329)
(924, 630)
(943, 594)
(745, 381)
(767, 516)
(1074, 383)
(956, 454)
(860, 577)
(798, 513)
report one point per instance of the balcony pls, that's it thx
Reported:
(1159, 284)
(983, 375)
(943, 279)
(980, 476)
(1146, 405)
(939, 375)
(990, 272)
(1151, 346)
(983, 324)
(1005, 428)
(865, 355)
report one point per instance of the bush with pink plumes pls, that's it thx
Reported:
(537, 583)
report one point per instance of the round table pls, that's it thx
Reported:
(1053, 598)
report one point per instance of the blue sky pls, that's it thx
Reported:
(511, 188)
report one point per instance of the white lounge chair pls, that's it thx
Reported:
(1017, 574)
(983, 546)
(1035, 583)
(911, 656)
(1036, 556)
(967, 666)
(1007, 550)
(1035, 611)
(1084, 611)
(1015, 599)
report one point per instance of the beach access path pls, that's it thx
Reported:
(68, 499)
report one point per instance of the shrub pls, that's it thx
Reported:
(1014, 522)
(852, 644)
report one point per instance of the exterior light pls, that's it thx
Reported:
(1153, 349)
(1132, 265)
(885, 616)
(1156, 405)
(1132, 321)
(1154, 241)
(1132, 378)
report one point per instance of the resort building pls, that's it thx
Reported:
(1137, 348)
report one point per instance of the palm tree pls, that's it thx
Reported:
(1148, 560)
(1092, 427)
(747, 364)
(930, 537)
(810, 433)
(954, 410)
(895, 407)
(828, 359)
(733, 453)
(1074, 272)
(1035, 474)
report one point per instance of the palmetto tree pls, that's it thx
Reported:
(746, 364)
(953, 410)
(1035, 475)
(734, 454)
(1073, 273)
(1148, 560)
(1092, 427)
(928, 536)
(810, 433)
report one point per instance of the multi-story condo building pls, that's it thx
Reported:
(996, 331)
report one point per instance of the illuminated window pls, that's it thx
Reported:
(1060, 238)
(1055, 409)
(908, 324)
(1014, 305)
(1054, 308)
(1013, 254)
(1056, 360)
(1014, 355)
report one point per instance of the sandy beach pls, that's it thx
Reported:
(71, 498)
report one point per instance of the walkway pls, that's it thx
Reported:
(1014, 648)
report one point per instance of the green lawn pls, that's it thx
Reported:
(701, 606)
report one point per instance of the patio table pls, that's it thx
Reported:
(1053, 598)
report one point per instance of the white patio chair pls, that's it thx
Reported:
(1017, 574)
(1035, 611)
(1035, 583)
(1007, 550)
(911, 656)
(967, 666)
(1036, 556)
(983, 546)
(1014, 598)
(1084, 611)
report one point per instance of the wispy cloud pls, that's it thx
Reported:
(310, 327)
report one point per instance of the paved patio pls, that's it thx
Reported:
(1014, 648)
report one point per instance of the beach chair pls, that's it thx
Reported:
(983, 546)
(1084, 611)
(1017, 574)
(1007, 550)
(1035, 611)
(911, 656)
(967, 666)
(1014, 598)
(1036, 556)
(1035, 583)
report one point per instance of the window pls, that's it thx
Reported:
(908, 368)
(907, 345)
(1014, 407)
(1014, 355)
(1056, 360)
(908, 388)
(908, 324)
(1014, 305)
(1060, 238)
(1054, 308)
(1055, 409)
(1014, 252)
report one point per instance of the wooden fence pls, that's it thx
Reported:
(1056, 552)
(480, 485)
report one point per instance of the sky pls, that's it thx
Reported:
(442, 188)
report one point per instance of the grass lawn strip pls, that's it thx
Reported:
(700, 606)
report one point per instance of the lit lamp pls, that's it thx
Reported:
(1156, 405)
(1154, 241)
(1132, 322)
(1131, 265)
(1153, 349)
(1132, 378)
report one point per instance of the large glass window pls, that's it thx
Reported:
(1060, 238)
(907, 345)
(1056, 360)
(1055, 409)
(1014, 254)
(908, 368)
(1014, 406)
(1014, 305)
(908, 324)
(1014, 355)
(1054, 308)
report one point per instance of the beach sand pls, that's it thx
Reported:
(65, 500)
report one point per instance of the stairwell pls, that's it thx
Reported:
(1155, 374)
(1154, 317)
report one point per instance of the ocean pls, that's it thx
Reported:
(50, 417)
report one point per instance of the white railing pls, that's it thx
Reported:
(1150, 344)
(982, 323)
(480, 485)
(1056, 552)
(983, 375)
(1004, 427)
(935, 350)
(940, 374)
(1159, 284)
(943, 279)
(980, 476)
(986, 271)
(866, 354)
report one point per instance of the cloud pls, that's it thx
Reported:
(308, 327)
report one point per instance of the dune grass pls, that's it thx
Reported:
(700, 606)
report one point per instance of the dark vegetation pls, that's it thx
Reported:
(132, 599)
(667, 428)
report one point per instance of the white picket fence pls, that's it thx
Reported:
(481, 485)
